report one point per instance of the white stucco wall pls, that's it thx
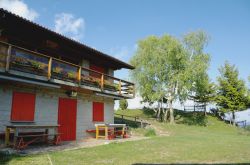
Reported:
(85, 116)
(5, 107)
(46, 110)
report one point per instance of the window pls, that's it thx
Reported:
(98, 111)
(23, 106)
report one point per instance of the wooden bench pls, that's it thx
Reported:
(94, 130)
(23, 140)
(20, 134)
(112, 132)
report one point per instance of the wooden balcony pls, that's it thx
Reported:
(16, 61)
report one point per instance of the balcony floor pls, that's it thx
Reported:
(18, 76)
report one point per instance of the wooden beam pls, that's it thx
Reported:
(102, 81)
(49, 67)
(120, 87)
(79, 76)
(134, 91)
(7, 67)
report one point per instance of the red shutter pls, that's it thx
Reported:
(98, 69)
(98, 111)
(23, 106)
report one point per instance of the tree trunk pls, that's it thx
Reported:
(234, 118)
(159, 112)
(166, 115)
(171, 111)
(205, 110)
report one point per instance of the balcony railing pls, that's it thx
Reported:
(13, 58)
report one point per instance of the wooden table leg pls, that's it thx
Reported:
(7, 136)
(123, 129)
(106, 132)
(46, 137)
(96, 132)
(15, 136)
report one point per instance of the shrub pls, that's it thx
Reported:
(247, 128)
(150, 132)
(123, 104)
(195, 119)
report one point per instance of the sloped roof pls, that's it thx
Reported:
(92, 53)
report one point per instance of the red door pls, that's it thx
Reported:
(67, 118)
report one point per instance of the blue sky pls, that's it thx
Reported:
(114, 27)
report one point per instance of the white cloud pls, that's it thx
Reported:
(121, 53)
(20, 8)
(67, 24)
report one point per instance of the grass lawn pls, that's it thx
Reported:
(216, 143)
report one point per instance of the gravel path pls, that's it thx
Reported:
(65, 146)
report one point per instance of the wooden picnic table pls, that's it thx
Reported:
(106, 127)
(16, 128)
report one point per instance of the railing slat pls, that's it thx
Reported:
(49, 67)
(102, 81)
(120, 87)
(8, 58)
(79, 74)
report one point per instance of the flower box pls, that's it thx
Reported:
(111, 86)
(91, 81)
(28, 65)
(61, 74)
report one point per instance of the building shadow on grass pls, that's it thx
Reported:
(5, 158)
(130, 123)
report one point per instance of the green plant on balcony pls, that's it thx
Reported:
(2, 57)
(111, 85)
(90, 80)
(97, 80)
(85, 78)
(19, 60)
(2, 60)
(71, 75)
(36, 64)
(57, 70)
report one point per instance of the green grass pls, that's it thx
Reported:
(136, 113)
(214, 143)
(150, 132)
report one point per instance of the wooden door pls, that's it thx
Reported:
(67, 118)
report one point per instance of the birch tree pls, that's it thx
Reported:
(203, 90)
(161, 72)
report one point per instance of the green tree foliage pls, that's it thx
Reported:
(232, 92)
(123, 104)
(167, 68)
(161, 71)
(202, 91)
(248, 93)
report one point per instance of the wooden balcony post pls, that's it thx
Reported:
(133, 90)
(120, 87)
(102, 81)
(49, 67)
(79, 76)
(8, 59)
